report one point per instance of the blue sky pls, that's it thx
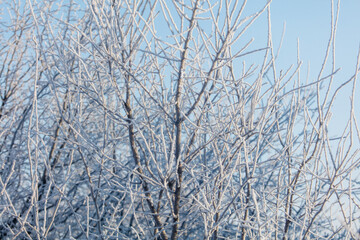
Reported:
(310, 21)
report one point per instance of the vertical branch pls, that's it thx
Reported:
(136, 157)
(178, 123)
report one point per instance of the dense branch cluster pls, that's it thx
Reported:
(155, 119)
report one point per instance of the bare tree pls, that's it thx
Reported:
(153, 119)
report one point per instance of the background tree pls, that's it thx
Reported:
(144, 119)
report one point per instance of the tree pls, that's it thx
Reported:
(144, 119)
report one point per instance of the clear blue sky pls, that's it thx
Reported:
(310, 21)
